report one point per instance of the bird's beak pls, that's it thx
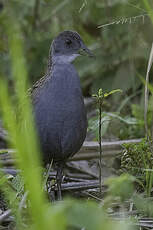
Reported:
(85, 51)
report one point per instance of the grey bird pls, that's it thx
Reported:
(58, 103)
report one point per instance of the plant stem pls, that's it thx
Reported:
(100, 147)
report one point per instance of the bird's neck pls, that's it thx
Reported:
(59, 60)
(64, 59)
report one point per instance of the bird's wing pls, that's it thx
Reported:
(37, 84)
(35, 89)
(32, 92)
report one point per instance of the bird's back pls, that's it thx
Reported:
(60, 113)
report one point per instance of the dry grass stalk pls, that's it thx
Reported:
(146, 89)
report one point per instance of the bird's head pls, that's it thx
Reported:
(67, 46)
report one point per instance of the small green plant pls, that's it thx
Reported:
(100, 97)
(137, 159)
(143, 204)
(121, 187)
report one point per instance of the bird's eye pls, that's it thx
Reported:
(68, 41)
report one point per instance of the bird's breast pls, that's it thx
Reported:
(60, 114)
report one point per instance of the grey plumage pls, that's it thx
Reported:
(58, 102)
(60, 114)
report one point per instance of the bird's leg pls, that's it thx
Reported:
(48, 184)
(59, 181)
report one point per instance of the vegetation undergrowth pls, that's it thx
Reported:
(137, 159)
(32, 210)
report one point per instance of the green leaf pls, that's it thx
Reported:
(112, 92)
(121, 186)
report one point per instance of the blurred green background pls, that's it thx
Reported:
(122, 48)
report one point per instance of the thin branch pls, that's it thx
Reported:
(146, 89)
(83, 5)
(125, 20)
(100, 146)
